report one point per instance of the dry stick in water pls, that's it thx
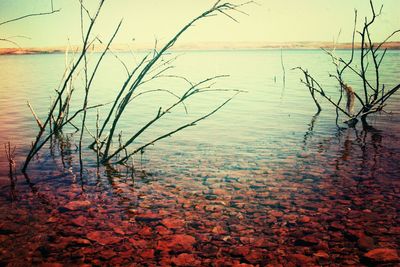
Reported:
(37, 145)
(97, 145)
(316, 87)
(10, 154)
(39, 123)
(88, 83)
(119, 95)
(283, 70)
(374, 95)
(221, 8)
(350, 96)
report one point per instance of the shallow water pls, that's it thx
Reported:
(262, 181)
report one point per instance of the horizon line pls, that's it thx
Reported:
(203, 46)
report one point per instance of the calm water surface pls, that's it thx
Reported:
(271, 118)
(262, 167)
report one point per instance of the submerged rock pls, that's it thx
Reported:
(173, 223)
(103, 237)
(301, 260)
(77, 205)
(180, 242)
(381, 255)
(185, 259)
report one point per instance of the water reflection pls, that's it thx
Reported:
(310, 131)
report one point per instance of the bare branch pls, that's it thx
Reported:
(193, 123)
(39, 123)
(29, 15)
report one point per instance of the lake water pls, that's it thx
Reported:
(246, 184)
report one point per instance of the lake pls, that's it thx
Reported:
(262, 181)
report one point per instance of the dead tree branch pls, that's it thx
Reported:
(373, 96)
(223, 8)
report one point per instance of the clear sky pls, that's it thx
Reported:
(145, 20)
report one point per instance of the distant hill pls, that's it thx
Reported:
(198, 46)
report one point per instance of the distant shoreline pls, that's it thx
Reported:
(200, 47)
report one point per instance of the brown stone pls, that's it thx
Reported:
(107, 254)
(147, 254)
(185, 259)
(300, 259)
(304, 219)
(77, 205)
(79, 221)
(103, 237)
(173, 223)
(240, 251)
(381, 255)
(321, 255)
(179, 242)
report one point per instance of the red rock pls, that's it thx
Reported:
(179, 242)
(381, 255)
(292, 218)
(241, 265)
(161, 230)
(80, 242)
(394, 230)
(276, 213)
(77, 205)
(52, 219)
(138, 243)
(103, 237)
(96, 262)
(185, 259)
(321, 255)
(304, 219)
(116, 261)
(247, 240)
(173, 223)
(240, 251)
(254, 256)
(366, 242)
(119, 231)
(337, 226)
(79, 221)
(147, 254)
(107, 254)
(146, 231)
(218, 230)
(219, 192)
(213, 208)
(300, 259)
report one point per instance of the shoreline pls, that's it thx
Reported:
(200, 47)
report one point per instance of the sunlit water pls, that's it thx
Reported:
(255, 169)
